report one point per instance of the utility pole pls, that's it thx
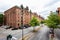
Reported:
(22, 20)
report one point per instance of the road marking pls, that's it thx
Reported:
(25, 36)
(28, 36)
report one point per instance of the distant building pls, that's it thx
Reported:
(13, 16)
(37, 16)
(41, 18)
(58, 11)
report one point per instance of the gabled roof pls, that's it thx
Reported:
(13, 7)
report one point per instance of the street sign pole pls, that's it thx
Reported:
(22, 23)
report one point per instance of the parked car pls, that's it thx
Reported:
(8, 27)
(21, 27)
(26, 26)
(15, 29)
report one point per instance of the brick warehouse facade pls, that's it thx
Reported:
(13, 17)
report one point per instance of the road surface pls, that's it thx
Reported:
(15, 33)
(42, 34)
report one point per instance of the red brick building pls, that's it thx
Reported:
(13, 16)
(26, 17)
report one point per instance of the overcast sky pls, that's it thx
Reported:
(42, 7)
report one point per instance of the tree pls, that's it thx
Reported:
(34, 22)
(30, 11)
(42, 22)
(1, 19)
(52, 21)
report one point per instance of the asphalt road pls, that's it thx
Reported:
(42, 34)
(15, 33)
(25, 31)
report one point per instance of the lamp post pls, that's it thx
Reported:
(22, 20)
(30, 15)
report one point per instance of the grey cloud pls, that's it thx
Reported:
(51, 3)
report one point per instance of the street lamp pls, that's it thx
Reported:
(22, 20)
(30, 15)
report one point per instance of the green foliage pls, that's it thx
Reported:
(58, 19)
(52, 20)
(1, 18)
(42, 22)
(34, 22)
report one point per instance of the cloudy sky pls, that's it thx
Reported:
(42, 7)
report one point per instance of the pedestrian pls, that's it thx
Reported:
(9, 37)
(51, 36)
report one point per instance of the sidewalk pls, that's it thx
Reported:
(2, 30)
